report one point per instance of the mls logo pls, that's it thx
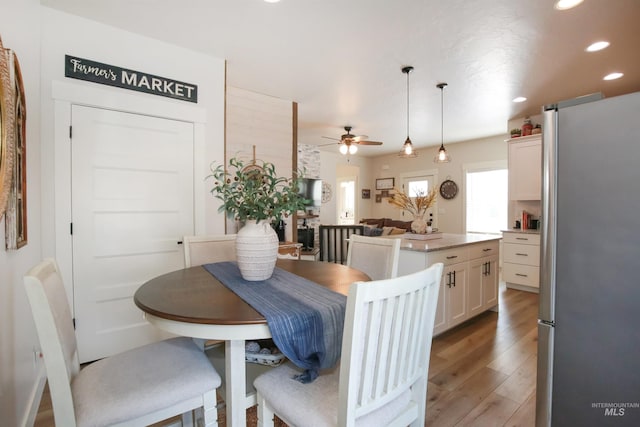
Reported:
(614, 412)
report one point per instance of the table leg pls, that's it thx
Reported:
(235, 383)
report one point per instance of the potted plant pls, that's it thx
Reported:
(255, 195)
(515, 133)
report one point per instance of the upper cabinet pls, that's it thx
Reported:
(525, 167)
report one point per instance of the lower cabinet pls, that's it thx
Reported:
(469, 284)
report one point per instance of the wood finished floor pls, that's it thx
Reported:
(482, 373)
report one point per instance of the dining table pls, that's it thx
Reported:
(192, 302)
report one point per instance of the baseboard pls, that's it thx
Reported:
(35, 397)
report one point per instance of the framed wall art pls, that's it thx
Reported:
(16, 214)
(366, 194)
(7, 123)
(385, 183)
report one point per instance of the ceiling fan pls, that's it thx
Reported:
(349, 143)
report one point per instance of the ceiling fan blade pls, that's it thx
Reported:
(326, 145)
(328, 137)
(358, 138)
(370, 143)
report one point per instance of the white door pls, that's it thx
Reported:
(132, 201)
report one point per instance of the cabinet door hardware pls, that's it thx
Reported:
(452, 256)
(520, 254)
(454, 278)
(522, 238)
(522, 275)
(486, 249)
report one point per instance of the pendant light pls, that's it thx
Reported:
(443, 156)
(407, 148)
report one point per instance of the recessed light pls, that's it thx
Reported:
(613, 76)
(594, 47)
(519, 99)
(567, 4)
(272, 1)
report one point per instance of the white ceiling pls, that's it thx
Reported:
(341, 60)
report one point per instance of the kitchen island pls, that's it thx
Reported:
(469, 283)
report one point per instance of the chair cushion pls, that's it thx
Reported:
(140, 381)
(316, 404)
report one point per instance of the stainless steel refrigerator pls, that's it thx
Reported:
(589, 317)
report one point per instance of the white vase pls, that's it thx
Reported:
(418, 225)
(256, 250)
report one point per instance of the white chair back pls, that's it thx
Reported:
(199, 250)
(383, 375)
(138, 387)
(387, 345)
(54, 324)
(376, 256)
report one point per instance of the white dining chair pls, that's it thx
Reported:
(376, 256)
(383, 373)
(134, 388)
(199, 250)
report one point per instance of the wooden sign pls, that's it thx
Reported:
(111, 75)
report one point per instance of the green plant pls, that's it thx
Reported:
(255, 191)
(515, 131)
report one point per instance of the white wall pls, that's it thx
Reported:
(450, 213)
(20, 31)
(41, 37)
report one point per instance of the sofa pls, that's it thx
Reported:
(385, 226)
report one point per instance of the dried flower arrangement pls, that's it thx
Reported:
(418, 205)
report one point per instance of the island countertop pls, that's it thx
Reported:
(447, 241)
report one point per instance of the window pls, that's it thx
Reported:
(420, 182)
(486, 199)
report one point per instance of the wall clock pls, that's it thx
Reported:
(448, 189)
(326, 192)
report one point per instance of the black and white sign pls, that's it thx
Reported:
(96, 72)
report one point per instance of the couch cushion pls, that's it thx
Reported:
(377, 222)
(398, 224)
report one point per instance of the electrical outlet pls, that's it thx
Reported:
(37, 358)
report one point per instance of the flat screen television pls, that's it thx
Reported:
(311, 189)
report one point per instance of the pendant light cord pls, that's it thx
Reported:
(409, 71)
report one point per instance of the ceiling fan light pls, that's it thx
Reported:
(353, 149)
(344, 149)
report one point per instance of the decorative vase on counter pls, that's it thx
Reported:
(419, 225)
(256, 250)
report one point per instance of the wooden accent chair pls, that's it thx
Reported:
(376, 256)
(199, 250)
(134, 388)
(383, 374)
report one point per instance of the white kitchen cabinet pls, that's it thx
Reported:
(468, 286)
(525, 168)
(521, 260)
(483, 277)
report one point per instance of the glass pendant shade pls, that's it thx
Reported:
(442, 156)
(407, 148)
(344, 149)
(353, 149)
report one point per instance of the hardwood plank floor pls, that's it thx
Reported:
(482, 373)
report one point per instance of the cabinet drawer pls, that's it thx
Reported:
(521, 254)
(527, 275)
(479, 250)
(448, 256)
(522, 238)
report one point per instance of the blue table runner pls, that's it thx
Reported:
(306, 320)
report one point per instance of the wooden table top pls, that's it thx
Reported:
(193, 295)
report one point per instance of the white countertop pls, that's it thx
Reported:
(447, 241)
(518, 230)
